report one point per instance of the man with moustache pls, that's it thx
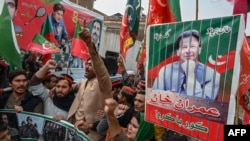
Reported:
(92, 91)
(96, 32)
(19, 98)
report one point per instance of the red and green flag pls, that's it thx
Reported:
(47, 31)
(130, 25)
(244, 85)
(242, 7)
(9, 48)
(165, 11)
(40, 45)
(79, 48)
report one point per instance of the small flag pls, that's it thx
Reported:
(130, 25)
(40, 45)
(79, 48)
(47, 31)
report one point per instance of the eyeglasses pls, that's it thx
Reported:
(11, 4)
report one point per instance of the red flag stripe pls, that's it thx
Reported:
(79, 49)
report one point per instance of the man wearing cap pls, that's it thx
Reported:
(131, 78)
(116, 87)
(49, 80)
(92, 91)
(57, 107)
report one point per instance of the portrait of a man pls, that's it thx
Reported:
(96, 32)
(188, 76)
(12, 7)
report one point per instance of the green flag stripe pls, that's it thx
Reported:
(175, 8)
(9, 49)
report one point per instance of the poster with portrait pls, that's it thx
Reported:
(29, 17)
(193, 72)
(25, 126)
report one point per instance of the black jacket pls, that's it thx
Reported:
(29, 103)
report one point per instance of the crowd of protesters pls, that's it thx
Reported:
(102, 108)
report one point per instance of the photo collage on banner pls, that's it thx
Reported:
(36, 127)
(31, 16)
(193, 74)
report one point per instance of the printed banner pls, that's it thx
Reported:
(30, 16)
(193, 75)
(26, 126)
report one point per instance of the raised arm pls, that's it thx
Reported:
(50, 64)
(35, 83)
(123, 70)
(114, 126)
(99, 67)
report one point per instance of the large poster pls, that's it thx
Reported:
(26, 126)
(193, 74)
(29, 16)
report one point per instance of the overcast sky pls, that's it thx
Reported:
(207, 8)
(110, 7)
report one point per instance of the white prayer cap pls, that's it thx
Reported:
(131, 72)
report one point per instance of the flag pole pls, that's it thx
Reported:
(144, 38)
(197, 10)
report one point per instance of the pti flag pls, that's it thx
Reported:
(130, 25)
(9, 49)
(244, 75)
(79, 48)
(40, 45)
(164, 11)
(47, 31)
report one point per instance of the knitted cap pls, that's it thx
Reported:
(48, 75)
(116, 83)
(128, 90)
(131, 72)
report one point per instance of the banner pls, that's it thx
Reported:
(30, 16)
(26, 126)
(193, 75)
